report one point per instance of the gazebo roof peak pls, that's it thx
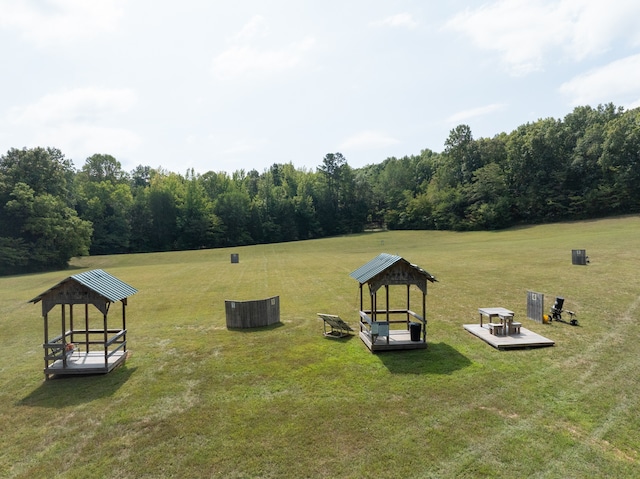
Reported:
(383, 262)
(98, 281)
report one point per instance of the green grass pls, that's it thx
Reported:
(198, 400)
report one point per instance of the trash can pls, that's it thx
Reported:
(414, 330)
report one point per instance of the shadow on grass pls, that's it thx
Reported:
(271, 327)
(63, 391)
(339, 339)
(438, 358)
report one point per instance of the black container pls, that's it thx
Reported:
(414, 330)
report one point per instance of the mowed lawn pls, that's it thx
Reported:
(198, 400)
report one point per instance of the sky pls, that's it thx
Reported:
(243, 84)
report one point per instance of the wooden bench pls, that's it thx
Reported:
(515, 328)
(495, 328)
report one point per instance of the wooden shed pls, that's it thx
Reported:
(380, 326)
(84, 345)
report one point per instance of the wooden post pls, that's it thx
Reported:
(124, 323)
(64, 337)
(424, 316)
(64, 322)
(71, 322)
(86, 327)
(106, 338)
(374, 302)
(46, 340)
(386, 291)
(408, 304)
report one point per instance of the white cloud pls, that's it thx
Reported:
(400, 20)
(60, 20)
(229, 143)
(81, 141)
(238, 61)
(81, 105)
(524, 32)
(595, 26)
(78, 142)
(520, 30)
(462, 116)
(618, 81)
(368, 140)
(250, 53)
(633, 105)
(242, 146)
(256, 27)
(80, 122)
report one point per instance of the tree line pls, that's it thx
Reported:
(582, 166)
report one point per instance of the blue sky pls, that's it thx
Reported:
(223, 86)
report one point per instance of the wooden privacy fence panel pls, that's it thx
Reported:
(535, 306)
(579, 256)
(252, 314)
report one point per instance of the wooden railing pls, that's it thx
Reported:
(56, 348)
(417, 316)
(381, 328)
(407, 312)
(375, 328)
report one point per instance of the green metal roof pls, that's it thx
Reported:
(99, 281)
(381, 263)
(103, 283)
(374, 267)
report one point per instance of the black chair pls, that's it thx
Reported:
(556, 312)
(556, 309)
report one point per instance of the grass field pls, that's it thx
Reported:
(197, 400)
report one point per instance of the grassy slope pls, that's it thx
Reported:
(197, 400)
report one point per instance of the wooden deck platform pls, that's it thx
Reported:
(525, 339)
(398, 339)
(86, 363)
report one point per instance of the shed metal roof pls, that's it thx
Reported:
(381, 263)
(99, 281)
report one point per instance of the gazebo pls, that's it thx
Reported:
(376, 329)
(85, 346)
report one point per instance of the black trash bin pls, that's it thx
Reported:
(414, 330)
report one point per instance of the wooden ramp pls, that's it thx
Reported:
(86, 363)
(398, 339)
(525, 339)
(338, 328)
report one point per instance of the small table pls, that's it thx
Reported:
(507, 321)
(495, 313)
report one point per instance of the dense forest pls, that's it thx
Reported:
(583, 166)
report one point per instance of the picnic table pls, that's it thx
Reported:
(505, 326)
